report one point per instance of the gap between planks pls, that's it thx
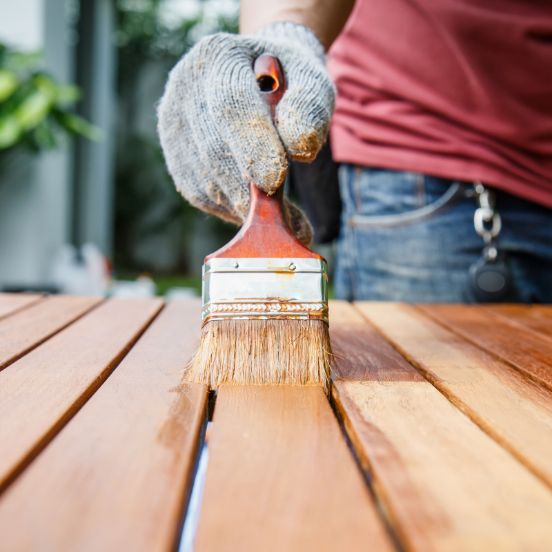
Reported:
(536, 318)
(137, 434)
(523, 349)
(11, 303)
(27, 328)
(513, 410)
(281, 477)
(444, 483)
(40, 392)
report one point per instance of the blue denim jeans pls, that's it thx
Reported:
(410, 237)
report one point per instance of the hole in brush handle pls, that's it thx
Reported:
(270, 80)
(267, 83)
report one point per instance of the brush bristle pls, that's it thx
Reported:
(262, 352)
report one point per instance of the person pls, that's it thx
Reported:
(442, 129)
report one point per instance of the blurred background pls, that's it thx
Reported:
(86, 204)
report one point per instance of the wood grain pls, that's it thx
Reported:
(265, 232)
(116, 477)
(40, 392)
(280, 477)
(12, 302)
(359, 352)
(443, 482)
(535, 317)
(29, 327)
(512, 409)
(527, 351)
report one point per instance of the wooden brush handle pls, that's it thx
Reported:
(265, 232)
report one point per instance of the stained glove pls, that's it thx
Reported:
(217, 133)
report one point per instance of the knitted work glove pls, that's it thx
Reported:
(216, 131)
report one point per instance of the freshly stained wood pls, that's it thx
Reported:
(280, 477)
(444, 483)
(98, 435)
(523, 349)
(509, 407)
(535, 317)
(122, 465)
(29, 327)
(41, 391)
(12, 302)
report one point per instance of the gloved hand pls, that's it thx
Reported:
(217, 133)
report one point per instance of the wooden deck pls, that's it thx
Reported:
(437, 435)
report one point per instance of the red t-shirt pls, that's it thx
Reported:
(454, 88)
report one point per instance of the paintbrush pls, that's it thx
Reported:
(264, 294)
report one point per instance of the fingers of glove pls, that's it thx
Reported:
(305, 110)
(197, 157)
(173, 130)
(208, 196)
(298, 222)
(243, 119)
(221, 205)
(189, 176)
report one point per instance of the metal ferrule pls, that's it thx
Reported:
(265, 288)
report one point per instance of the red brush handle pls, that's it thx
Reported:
(265, 232)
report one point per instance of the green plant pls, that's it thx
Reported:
(35, 109)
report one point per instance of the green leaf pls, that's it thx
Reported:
(46, 84)
(77, 125)
(37, 103)
(67, 94)
(8, 84)
(10, 131)
(33, 109)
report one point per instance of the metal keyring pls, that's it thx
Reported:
(481, 218)
(486, 214)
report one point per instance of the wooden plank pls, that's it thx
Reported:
(544, 311)
(27, 328)
(509, 407)
(527, 351)
(116, 477)
(536, 317)
(444, 483)
(280, 477)
(13, 302)
(40, 392)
